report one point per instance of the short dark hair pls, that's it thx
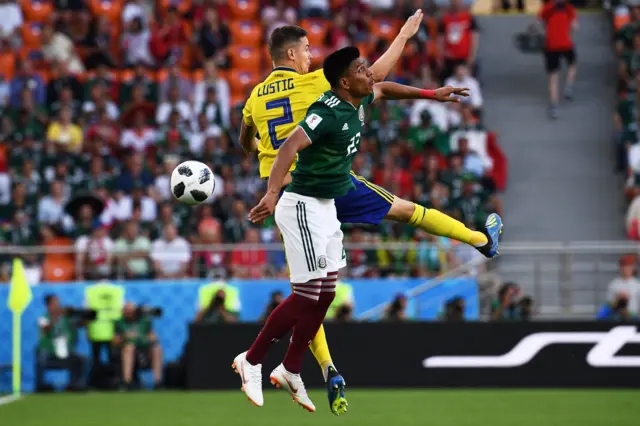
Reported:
(281, 37)
(48, 298)
(336, 64)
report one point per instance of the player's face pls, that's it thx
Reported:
(360, 79)
(302, 56)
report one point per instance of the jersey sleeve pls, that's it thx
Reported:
(319, 122)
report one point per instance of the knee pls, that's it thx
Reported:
(401, 210)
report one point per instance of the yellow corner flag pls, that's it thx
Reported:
(19, 298)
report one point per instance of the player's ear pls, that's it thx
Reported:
(291, 54)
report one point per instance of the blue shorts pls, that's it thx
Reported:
(366, 204)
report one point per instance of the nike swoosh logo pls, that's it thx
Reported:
(245, 381)
(294, 390)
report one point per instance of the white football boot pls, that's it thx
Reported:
(293, 384)
(251, 376)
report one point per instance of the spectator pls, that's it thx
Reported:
(277, 13)
(137, 342)
(139, 137)
(57, 47)
(98, 44)
(343, 303)
(62, 79)
(64, 133)
(626, 282)
(142, 79)
(27, 78)
(57, 345)
(211, 262)
(173, 103)
(98, 102)
(51, 207)
(202, 92)
(135, 9)
(454, 310)
(617, 309)
(216, 312)
(12, 21)
(175, 78)
(213, 39)
(168, 39)
(133, 174)
(132, 253)
(171, 254)
(380, 7)
(276, 299)
(314, 8)
(29, 119)
(459, 39)
(249, 262)
(559, 19)
(463, 78)
(396, 311)
(136, 44)
(236, 225)
(65, 99)
(338, 32)
(94, 254)
(505, 307)
(162, 186)
(202, 129)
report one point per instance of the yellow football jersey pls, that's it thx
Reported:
(277, 105)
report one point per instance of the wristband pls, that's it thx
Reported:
(428, 94)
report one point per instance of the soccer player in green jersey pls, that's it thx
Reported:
(326, 142)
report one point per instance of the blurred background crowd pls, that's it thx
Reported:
(102, 99)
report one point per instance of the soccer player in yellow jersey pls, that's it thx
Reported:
(273, 111)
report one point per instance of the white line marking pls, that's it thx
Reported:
(5, 400)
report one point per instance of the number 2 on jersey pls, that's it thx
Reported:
(352, 148)
(285, 118)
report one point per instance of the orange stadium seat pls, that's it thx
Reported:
(242, 82)
(316, 30)
(110, 9)
(7, 65)
(246, 33)
(58, 266)
(31, 34)
(34, 55)
(244, 9)
(197, 75)
(245, 58)
(620, 20)
(385, 28)
(365, 49)
(162, 75)
(37, 10)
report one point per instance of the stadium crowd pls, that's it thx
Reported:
(102, 99)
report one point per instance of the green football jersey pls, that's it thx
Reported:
(334, 127)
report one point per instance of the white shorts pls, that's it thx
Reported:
(312, 236)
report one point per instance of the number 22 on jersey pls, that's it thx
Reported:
(352, 148)
(285, 118)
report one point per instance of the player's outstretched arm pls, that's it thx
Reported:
(248, 140)
(383, 66)
(297, 141)
(389, 90)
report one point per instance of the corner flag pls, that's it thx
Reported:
(19, 298)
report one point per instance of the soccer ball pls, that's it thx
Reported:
(192, 182)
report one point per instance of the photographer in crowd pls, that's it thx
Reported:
(216, 312)
(510, 306)
(617, 309)
(57, 343)
(453, 310)
(138, 343)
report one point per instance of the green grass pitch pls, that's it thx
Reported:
(366, 408)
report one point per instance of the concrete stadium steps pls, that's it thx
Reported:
(561, 181)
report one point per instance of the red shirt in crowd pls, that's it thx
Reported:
(457, 28)
(558, 19)
(250, 259)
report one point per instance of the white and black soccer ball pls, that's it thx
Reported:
(192, 182)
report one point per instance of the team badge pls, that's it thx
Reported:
(322, 262)
(361, 113)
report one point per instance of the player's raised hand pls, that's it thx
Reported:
(410, 28)
(264, 209)
(446, 94)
